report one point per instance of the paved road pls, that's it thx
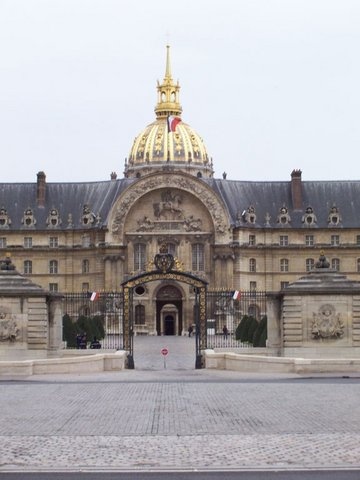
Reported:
(178, 418)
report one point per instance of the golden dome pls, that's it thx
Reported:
(162, 146)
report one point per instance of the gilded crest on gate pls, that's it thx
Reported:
(164, 261)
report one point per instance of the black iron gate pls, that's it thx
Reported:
(105, 307)
(225, 310)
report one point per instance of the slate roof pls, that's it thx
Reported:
(266, 197)
(269, 197)
(67, 198)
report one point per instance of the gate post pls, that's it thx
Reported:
(200, 325)
(128, 343)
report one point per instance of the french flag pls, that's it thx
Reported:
(94, 296)
(172, 123)
(237, 295)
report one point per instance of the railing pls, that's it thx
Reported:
(224, 315)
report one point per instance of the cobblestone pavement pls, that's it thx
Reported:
(155, 418)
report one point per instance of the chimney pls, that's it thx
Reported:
(113, 175)
(41, 189)
(296, 190)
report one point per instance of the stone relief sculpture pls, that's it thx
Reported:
(169, 207)
(9, 330)
(326, 323)
(187, 184)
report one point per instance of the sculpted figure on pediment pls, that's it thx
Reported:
(172, 208)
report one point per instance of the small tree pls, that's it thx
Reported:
(260, 335)
(69, 331)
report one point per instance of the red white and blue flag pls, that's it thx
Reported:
(237, 295)
(172, 123)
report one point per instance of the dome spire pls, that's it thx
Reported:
(168, 93)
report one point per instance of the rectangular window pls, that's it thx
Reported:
(198, 260)
(252, 286)
(2, 242)
(309, 264)
(309, 240)
(27, 242)
(284, 285)
(139, 256)
(252, 239)
(284, 240)
(357, 239)
(85, 287)
(53, 287)
(53, 267)
(53, 242)
(335, 240)
(335, 264)
(85, 241)
(284, 265)
(27, 267)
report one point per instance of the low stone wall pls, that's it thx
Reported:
(101, 362)
(266, 364)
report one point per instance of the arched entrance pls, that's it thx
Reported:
(165, 271)
(169, 310)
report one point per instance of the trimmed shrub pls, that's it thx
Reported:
(69, 331)
(260, 335)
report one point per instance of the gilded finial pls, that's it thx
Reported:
(168, 93)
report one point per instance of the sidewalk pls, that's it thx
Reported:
(155, 418)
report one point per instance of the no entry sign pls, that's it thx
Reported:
(164, 351)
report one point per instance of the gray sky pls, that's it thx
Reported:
(270, 85)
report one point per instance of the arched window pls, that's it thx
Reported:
(53, 266)
(252, 265)
(198, 260)
(27, 267)
(309, 264)
(85, 266)
(139, 256)
(139, 315)
(284, 265)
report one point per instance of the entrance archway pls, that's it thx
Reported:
(164, 262)
(169, 304)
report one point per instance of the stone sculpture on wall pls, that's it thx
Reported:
(326, 323)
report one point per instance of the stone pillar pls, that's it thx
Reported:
(55, 314)
(273, 311)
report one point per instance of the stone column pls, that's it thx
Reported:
(273, 311)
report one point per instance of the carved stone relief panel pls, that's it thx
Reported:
(168, 210)
(327, 320)
(179, 187)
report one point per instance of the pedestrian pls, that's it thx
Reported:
(225, 332)
(190, 330)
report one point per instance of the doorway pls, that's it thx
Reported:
(169, 325)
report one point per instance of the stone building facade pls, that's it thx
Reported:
(91, 236)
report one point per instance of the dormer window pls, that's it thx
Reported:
(249, 215)
(334, 217)
(28, 219)
(309, 218)
(5, 221)
(88, 217)
(53, 219)
(283, 217)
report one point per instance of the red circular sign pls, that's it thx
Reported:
(164, 351)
